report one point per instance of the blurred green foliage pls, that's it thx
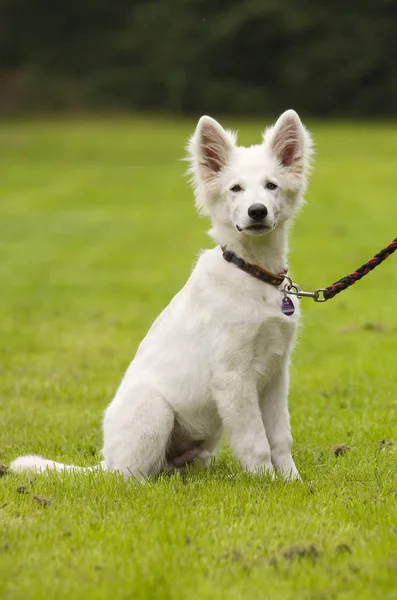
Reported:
(188, 56)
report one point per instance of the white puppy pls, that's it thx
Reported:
(217, 357)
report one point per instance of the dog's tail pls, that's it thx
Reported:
(39, 464)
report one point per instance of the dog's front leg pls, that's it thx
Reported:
(275, 413)
(238, 405)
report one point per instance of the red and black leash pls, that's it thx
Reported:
(324, 294)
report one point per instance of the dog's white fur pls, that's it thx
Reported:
(217, 357)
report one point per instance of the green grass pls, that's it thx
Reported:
(97, 233)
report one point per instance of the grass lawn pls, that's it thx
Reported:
(97, 233)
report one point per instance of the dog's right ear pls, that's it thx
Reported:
(210, 149)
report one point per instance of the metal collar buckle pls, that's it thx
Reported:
(293, 289)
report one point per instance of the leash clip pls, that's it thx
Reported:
(293, 289)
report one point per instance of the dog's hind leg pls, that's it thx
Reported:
(137, 430)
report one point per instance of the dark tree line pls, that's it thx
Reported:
(333, 57)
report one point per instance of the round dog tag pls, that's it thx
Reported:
(287, 306)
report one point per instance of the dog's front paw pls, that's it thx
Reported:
(291, 475)
(263, 470)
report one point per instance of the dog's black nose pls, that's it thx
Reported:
(257, 211)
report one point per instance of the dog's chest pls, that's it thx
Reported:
(273, 336)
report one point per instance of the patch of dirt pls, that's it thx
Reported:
(236, 556)
(343, 549)
(332, 392)
(41, 500)
(23, 489)
(373, 327)
(340, 449)
(343, 392)
(348, 329)
(310, 489)
(384, 444)
(347, 499)
(231, 555)
(365, 326)
(299, 552)
(354, 569)
(3, 470)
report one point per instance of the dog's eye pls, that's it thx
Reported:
(236, 188)
(270, 185)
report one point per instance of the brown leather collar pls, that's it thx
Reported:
(254, 270)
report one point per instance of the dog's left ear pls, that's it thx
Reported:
(290, 143)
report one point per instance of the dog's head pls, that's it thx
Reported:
(250, 190)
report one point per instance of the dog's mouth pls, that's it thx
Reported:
(255, 227)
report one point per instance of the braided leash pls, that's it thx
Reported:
(324, 294)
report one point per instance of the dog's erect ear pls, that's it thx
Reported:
(290, 142)
(210, 148)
